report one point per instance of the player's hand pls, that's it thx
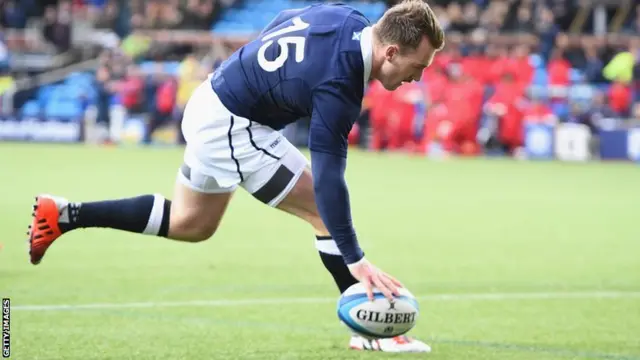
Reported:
(370, 276)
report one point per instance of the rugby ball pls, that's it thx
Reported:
(379, 318)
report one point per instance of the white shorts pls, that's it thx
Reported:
(224, 150)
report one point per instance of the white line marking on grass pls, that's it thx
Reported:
(302, 300)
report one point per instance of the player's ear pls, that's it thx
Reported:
(391, 52)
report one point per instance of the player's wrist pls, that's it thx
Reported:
(354, 258)
(358, 262)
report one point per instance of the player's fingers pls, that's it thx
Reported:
(366, 281)
(382, 287)
(395, 281)
(390, 285)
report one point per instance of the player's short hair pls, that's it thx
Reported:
(407, 23)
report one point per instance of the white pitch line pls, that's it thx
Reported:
(302, 300)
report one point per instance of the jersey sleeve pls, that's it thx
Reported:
(335, 109)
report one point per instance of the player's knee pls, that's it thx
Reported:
(191, 229)
(200, 234)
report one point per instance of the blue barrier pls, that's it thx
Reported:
(572, 142)
(539, 141)
(38, 129)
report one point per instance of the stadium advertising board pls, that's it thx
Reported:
(17, 128)
(573, 142)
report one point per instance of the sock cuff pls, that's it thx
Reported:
(157, 216)
(326, 245)
(164, 225)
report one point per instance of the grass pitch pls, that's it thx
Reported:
(510, 260)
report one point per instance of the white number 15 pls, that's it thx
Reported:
(283, 42)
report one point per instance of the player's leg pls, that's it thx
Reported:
(300, 202)
(191, 216)
(201, 194)
(288, 185)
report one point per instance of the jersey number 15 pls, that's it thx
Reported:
(297, 41)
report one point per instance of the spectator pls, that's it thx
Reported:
(620, 68)
(633, 27)
(620, 98)
(456, 22)
(559, 69)
(376, 98)
(524, 21)
(435, 83)
(494, 16)
(6, 81)
(437, 127)
(635, 113)
(463, 98)
(198, 14)
(190, 75)
(536, 111)
(4, 52)
(599, 111)
(403, 116)
(577, 114)
(13, 15)
(57, 27)
(165, 102)
(547, 30)
(103, 118)
(105, 15)
(170, 16)
(505, 108)
(498, 63)
(593, 64)
(521, 66)
(135, 44)
(471, 15)
(474, 65)
(111, 71)
(130, 88)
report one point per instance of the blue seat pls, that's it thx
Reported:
(561, 109)
(575, 75)
(536, 61)
(540, 77)
(73, 91)
(31, 109)
(581, 93)
(171, 67)
(604, 87)
(80, 78)
(67, 110)
(44, 94)
(538, 91)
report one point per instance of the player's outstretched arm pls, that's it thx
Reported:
(332, 198)
(332, 119)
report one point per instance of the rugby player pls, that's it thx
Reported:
(310, 62)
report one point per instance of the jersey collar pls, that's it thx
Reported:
(366, 46)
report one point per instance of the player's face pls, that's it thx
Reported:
(404, 67)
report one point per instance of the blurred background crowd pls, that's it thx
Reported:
(506, 63)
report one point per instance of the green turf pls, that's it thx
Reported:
(544, 231)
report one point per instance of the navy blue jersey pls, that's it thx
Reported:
(272, 79)
(307, 62)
